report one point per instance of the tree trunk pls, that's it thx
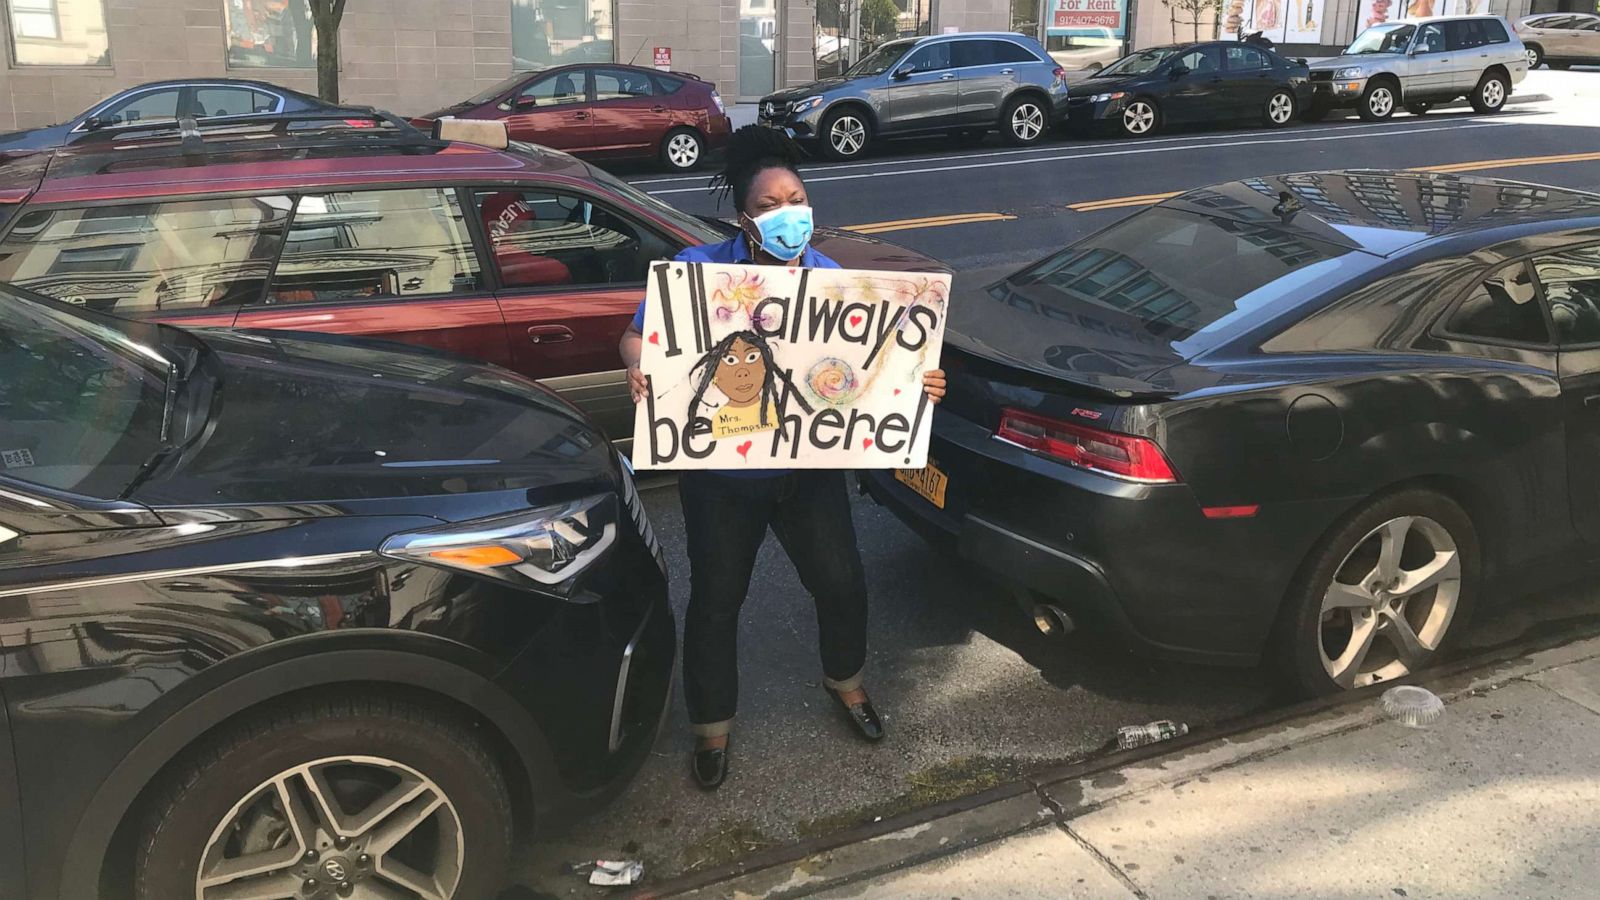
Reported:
(326, 14)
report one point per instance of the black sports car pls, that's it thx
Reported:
(1307, 417)
(1211, 82)
(165, 100)
(290, 615)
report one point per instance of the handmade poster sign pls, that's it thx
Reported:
(767, 367)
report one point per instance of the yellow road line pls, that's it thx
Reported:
(1509, 163)
(928, 222)
(1115, 202)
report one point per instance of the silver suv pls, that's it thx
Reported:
(1560, 39)
(964, 84)
(1419, 63)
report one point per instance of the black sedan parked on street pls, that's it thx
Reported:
(1219, 81)
(1308, 417)
(294, 615)
(165, 101)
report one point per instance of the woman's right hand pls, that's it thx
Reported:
(637, 384)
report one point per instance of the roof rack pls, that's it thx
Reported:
(190, 128)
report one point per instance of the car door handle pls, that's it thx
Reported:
(658, 108)
(1008, 71)
(948, 76)
(580, 115)
(549, 334)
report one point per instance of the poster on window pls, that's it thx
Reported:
(1377, 12)
(1303, 22)
(767, 367)
(1464, 7)
(1088, 18)
(1242, 17)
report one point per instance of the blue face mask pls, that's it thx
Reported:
(785, 231)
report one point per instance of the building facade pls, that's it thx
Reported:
(411, 56)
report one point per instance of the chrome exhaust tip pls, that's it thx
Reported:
(1052, 621)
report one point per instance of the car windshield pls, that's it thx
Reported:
(82, 404)
(1392, 37)
(704, 234)
(1172, 273)
(1142, 63)
(880, 60)
(497, 90)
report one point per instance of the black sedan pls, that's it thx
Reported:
(288, 615)
(165, 100)
(1218, 81)
(1308, 417)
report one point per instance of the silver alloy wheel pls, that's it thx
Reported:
(1402, 583)
(1494, 93)
(1381, 101)
(346, 827)
(848, 135)
(1280, 109)
(1533, 57)
(1027, 121)
(1139, 117)
(683, 150)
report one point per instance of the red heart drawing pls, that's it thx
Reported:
(897, 392)
(792, 271)
(655, 337)
(855, 320)
(866, 443)
(744, 450)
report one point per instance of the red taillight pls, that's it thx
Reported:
(1061, 74)
(1230, 512)
(1122, 455)
(361, 123)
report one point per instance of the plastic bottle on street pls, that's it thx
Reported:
(1131, 736)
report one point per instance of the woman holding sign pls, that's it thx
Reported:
(727, 514)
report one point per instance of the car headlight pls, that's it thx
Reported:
(1349, 72)
(549, 546)
(1106, 98)
(806, 105)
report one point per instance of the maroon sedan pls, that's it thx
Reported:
(606, 112)
(523, 257)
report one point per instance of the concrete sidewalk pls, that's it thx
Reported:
(1498, 799)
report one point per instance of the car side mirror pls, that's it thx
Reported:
(525, 103)
(1177, 72)
(95, 123)
(902, 73)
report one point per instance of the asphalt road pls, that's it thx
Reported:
(973, 694)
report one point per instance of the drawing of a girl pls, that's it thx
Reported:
(742, 368)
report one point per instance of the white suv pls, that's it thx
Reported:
(1418, 63)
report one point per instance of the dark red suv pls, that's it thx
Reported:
(606, 112)
(523, 257)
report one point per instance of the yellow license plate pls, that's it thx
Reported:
(928, 481)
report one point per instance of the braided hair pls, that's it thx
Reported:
(707, 372)
(752, 150)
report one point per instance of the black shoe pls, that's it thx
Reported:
(863, 718)
(711, 766)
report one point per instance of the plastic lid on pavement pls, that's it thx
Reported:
(1411, 706)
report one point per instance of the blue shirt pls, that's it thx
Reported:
(737, 250)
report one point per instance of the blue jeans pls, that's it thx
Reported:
(726, 521)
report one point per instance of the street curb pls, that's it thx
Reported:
(1061, 793)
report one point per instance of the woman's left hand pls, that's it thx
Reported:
(933, 384)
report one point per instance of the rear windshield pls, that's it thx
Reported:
(1174, 274)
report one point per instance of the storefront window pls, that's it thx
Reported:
(758, 37)
(58, 33)
(1083, 39)
(557, 32)
(270, 34)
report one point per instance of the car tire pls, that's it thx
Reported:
(845, 134)
(1535, 55)
(682, 150)
(1320, 637)
(1491, 94)
(1140, 118)
(1418, 109)
(1024, 121)
(1378, 101)
(357, 751)
(1315, 112)
(1280, 109)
